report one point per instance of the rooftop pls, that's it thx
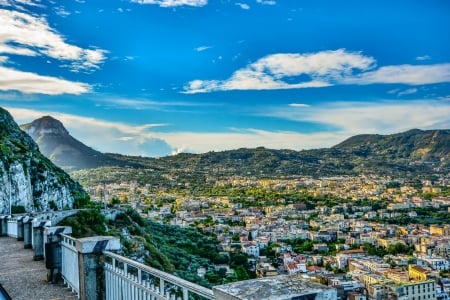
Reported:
(276, 287)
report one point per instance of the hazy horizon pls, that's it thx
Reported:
(158, 77)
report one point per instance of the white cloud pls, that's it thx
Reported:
(266, 2)
(423, 57)
(403, 74)
(25, 34)
(270, 72)
(299, 105)
(244, 6)
(173, 3)
(199, 142)
(27, 82)
(202, 48)
(62, 12)
(148, 104)
(321, 69)
(362, 117)
(20, 4)
(407, 92)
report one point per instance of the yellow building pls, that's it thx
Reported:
(417, 273)
(440, 230)
(371, 279)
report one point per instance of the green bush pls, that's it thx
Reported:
(17, 209)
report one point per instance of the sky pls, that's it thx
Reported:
(160, 77)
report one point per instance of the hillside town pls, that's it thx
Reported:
(386, 239)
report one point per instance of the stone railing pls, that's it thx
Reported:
(69, 259)
(91, 270)
(128, 279)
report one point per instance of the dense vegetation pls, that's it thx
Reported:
(181, 251)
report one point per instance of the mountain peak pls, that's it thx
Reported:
(44, 126)
(56, 143)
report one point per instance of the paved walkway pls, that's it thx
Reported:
(24, 278)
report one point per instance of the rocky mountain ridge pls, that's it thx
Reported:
(27, 178)
(56, 143)
(405, 154)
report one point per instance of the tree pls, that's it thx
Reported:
(241, 273)
(239, 259)
(222, 272)
(220, 259)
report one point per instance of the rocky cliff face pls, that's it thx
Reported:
(27, 178)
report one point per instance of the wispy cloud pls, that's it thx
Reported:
(266, 2)
(27, 82)
(403, 74)
(299, 105)
(321, 69)
(423, 57)
(62, 12)
(389, 116)
(407, 92)
(20, 4)
(151, 105)
(173, 3)
(244, 6)
(29, 35)
(202, 48)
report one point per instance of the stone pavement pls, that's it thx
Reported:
(25, 279)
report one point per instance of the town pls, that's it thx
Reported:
(369, 237)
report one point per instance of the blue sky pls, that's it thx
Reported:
(157, 77)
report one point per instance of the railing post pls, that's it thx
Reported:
(90, 265)
(3, 226)
(53, 252)
(27, 232)
(38, 239)
(20, 228)
(161, 287)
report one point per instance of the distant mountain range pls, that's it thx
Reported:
(403, 154)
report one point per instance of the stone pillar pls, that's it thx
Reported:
(3, 226)
(52, 250)
(27, 232)
(38, 238)
(20, 228)
(90, 264)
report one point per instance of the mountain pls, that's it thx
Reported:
(412, 154)
(61, 148)
(408, 154)
(28, 178)
(413, 145)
